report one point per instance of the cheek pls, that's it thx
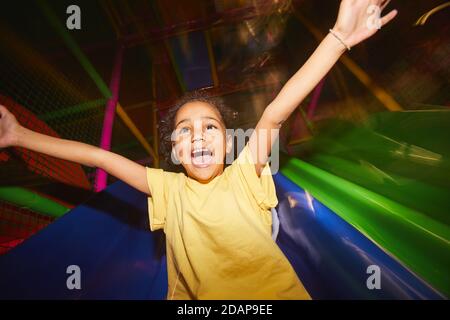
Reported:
(183, 148)
(220, 144)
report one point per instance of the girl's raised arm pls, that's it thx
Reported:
(357, 20)
(13, 134)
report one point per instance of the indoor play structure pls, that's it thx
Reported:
(363, 182)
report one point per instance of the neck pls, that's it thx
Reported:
(212, 177)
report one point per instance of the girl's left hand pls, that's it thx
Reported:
(360, 19)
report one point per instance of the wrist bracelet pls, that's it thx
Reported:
(339, 39)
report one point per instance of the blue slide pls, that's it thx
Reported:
(108, 238)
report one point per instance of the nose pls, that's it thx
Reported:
(197, 139)
(198, 135)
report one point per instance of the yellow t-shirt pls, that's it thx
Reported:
(218, 235)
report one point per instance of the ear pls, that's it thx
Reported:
(174, 155)
(229, 143)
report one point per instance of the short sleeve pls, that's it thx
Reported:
(157, 202)
(262, 188)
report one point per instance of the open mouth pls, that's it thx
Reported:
(201, 157)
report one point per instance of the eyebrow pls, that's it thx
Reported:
(210, 118)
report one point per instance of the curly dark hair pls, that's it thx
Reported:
(167, 123)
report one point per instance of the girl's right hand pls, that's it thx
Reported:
(9, 127)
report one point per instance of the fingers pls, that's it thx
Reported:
(3, 110)
(384, 4)
(388, 17)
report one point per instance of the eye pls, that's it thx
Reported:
(211, 127)
(184, 130)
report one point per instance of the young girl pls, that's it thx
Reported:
(217, 220)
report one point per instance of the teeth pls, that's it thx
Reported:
(201, 152)
(201, 157)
